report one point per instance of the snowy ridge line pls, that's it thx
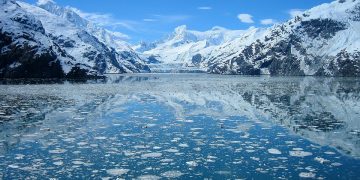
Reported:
(49, 41)
(324, 40)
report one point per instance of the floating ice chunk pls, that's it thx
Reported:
(14, 166)
(148, 177)
(151, 155)
(82, 143)
(78, 162)
(336, 164)
(141, 147)
(290, 142)
(117, 172)
(19, 156)
(261, 170)
(223, 172)
(192, 163)
(69, 139)
(57, 151)
(157, 147)
(166, 160)
(274, 151)
(129, 153)
(172, 150)
(172, 174)
(250, 150)
(321, 160)
(330, 153)
(211, 157)
(151, 125)
(100, 138)
(300, 153)
(307, 175)
(184, 145)
(58, 163)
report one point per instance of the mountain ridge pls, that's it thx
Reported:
(35, 42)
(50, 41)
(323, 41)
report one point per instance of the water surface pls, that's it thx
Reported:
(186, 126)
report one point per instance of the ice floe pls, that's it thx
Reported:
(117, 172)
(274, 151)
(300, 153)
(151, 155)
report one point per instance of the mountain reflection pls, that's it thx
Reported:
(322, 110)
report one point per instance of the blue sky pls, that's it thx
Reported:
(151, 20)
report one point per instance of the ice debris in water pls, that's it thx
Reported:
(336, 164)
(274, 151)
(192, 163)
(321, 160)
(300, 153)
(148, 177)
(172, 174)
(58, 163)
(117, 172)
(184, 145)
(307, 175)
(151, 155)
(100, 138)
(57, 151)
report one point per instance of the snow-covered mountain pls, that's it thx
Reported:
(184, 49)
(322, 41)
(51, 41)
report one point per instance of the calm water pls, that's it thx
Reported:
(186, 126)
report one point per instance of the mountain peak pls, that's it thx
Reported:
(66, 13)
(181, 34)
(180, 29)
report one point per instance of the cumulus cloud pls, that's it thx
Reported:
(205, 8)
(267, 21)
(246, 18)
(295, 12)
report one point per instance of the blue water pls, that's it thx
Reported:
(185, 126)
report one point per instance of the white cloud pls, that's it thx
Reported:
(150, 20)
(268, 21)
(119, 35)
(105, 20)
(246, 18)
(295, 12)
(205, 8)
